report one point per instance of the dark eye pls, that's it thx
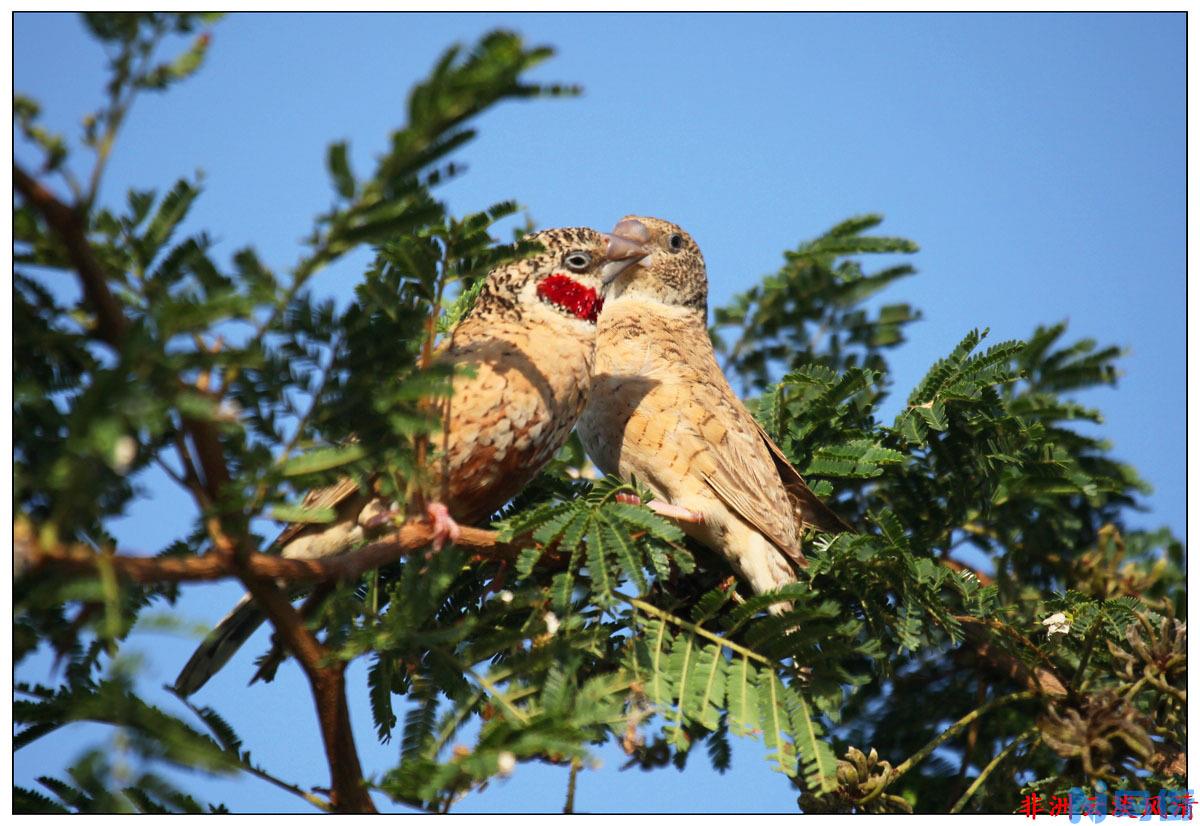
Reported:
(578, 261)
(675, 242)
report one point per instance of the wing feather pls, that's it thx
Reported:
(810, 510)
(327, 497)
(738, 467)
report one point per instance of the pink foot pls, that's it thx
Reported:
(664, 509)
(675, 512)
(444, 527)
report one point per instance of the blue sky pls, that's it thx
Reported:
(1038, 159)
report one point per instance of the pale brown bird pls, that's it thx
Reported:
(529, 341)
(662, 411)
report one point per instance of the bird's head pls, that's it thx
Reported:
(565, 280)
(673, 273)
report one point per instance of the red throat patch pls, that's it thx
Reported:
(563, 291)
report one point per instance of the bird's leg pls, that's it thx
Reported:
(444, 527)
(664, 509)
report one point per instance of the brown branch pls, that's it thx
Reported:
(325, 674)
(68, 225)
(327, 679)
(413, 536)
(209, 451)
(231, 557)
(349, 790)
(278, 652)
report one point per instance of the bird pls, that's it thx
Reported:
(528, 342)
(661, 411)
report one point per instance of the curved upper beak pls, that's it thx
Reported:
(632, 229)
(622, 253)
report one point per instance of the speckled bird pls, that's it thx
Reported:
(529, 341)
(662, 411)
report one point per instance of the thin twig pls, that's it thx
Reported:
(652, 610)
(991, 767)
(487, 685)
(973, 731)
(255, 770)
(261, 492)
(950, 732)
(569, 806)
(116, 115)
(1076, 679)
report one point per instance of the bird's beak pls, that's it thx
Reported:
(632, 229)
(635, 232)
(622, 253)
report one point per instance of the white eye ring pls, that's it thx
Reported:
(675, 242)
(578, 261)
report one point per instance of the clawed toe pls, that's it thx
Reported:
(444, 526)
(664, 509)
(676, 512)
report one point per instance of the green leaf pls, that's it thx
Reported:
(299, 514)
(773, 716)
(171, 212)
(816, 755)
(339, 170)
(321, 459)
(741, 695)
(190, 61)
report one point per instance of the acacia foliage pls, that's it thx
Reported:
(607, 625)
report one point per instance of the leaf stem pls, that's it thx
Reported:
(991, 767)
(950, 732)
(569, 806)
(249, 768)
(1076, 680)
(487, 685)
(654, 611)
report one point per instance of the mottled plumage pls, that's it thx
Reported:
(662, 411)
(529, 342)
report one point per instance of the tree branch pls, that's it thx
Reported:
(68, 225)
(78, 558)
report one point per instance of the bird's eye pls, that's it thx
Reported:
(578, 261)
(675, 242)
